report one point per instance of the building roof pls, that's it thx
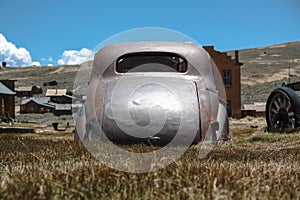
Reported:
(76, 105)
(36, 86)
(214, 54)
(24, 89)
(56, 92)
(5, 90)
(193, 53)
(44, 101)
(63, 107)
(69, 96)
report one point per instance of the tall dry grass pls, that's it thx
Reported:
(34, 168)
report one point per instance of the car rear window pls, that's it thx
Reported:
(151, 62)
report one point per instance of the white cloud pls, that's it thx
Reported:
(14, 56)
(71, 57)
(19, 56)
(50, 65)
(36, 63)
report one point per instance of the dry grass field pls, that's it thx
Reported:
(256, 165)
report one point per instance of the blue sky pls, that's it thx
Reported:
(47, 29)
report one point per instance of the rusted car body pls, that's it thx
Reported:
(147, 91)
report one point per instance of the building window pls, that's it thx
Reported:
(227, 77)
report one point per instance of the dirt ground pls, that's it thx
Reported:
(247, 125)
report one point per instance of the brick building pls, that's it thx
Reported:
(230, 70)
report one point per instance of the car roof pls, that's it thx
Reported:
(193, 53)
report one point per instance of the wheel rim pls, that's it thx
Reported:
(281, 113)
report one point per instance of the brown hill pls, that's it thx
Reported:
(264, 69)
(268, 64)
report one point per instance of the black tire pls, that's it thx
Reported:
(283, 110)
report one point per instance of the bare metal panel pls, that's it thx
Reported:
(143, 107)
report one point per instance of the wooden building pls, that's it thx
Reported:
(24, 91)
(63, 109)
(230, 70)
(10, 84)
(37, 105)
(36, 90)
(60, 96)
(28, 91)
(7, 101)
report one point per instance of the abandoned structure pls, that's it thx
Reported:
(7, 101)
(37, 105)
(28, 91)
(24, 91)
(10, 84)
(61, 96)
(45, 105)
(63, 109)
(57, 101)
(230, 70)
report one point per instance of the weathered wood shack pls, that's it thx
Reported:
(60, 96)
(37, 105)
(7, 101)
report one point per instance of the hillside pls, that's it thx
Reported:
(64, 75)
(264, 69)
(270, 63)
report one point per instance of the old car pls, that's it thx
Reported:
(283, 109)
(155, 92)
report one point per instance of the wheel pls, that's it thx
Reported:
(283, 110)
